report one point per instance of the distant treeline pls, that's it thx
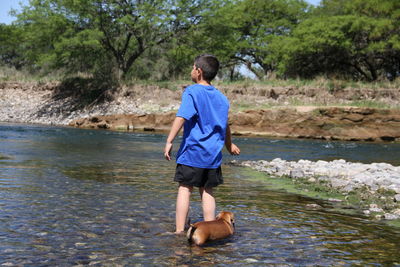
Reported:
(158, 39)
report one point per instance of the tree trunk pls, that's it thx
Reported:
(232, 73)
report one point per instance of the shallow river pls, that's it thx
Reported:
(87, 197)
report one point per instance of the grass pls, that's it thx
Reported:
(371, 104)
(12, 75)
(295, 186)
(170, 85)
(376, 104)
(359, 199)
(318, 82)
(244, 94)
(242, 106)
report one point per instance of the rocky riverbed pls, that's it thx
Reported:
(376, 185)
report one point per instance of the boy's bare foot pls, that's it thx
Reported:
(173, 233)
(179, 232)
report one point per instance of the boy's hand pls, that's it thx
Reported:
(234, 149)
(167, 151)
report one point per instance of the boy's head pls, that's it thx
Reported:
(208, 64)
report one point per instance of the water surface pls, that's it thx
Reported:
(72, 196)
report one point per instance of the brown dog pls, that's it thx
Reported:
(223, 226)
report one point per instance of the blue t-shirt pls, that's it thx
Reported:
(205, 110)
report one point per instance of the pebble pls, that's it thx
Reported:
(396, 212)
(389, 216)
(313, 206)
(335, 200)
(376, 210)
(251, 260)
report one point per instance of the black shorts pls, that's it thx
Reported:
(199, 177)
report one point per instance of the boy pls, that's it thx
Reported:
(204, 115)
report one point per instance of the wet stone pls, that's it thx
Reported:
(251, 260)
(313, 206)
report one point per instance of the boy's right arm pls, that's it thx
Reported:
(176, 127)
(231, 147)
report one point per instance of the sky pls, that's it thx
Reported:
(7, 5)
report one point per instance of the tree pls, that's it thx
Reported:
(10, 53)
(267, 21)
(83, 32)
(255, 25)
(352, 39)
(241, 32)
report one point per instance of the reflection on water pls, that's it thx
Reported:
(70, 196)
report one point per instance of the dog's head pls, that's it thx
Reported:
(227, 216)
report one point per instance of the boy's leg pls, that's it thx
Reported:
(208, 203)
(182, 206)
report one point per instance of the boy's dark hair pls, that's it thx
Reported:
(209, 65)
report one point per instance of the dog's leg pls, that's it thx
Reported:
(190, 232)
(188, 224)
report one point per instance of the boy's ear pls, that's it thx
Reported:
(201, 73)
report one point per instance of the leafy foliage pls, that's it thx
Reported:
(158, 39)
(357, 40)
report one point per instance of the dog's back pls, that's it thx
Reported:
(200, 232)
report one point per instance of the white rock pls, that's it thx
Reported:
(389, 216)
(376, 210)
(396, 212)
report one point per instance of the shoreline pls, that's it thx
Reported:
(374, 188)
(152, 108)
(326, 123)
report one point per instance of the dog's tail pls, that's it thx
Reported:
(190, 232)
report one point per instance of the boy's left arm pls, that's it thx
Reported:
(232, 148)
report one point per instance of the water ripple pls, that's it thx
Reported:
(76, 197)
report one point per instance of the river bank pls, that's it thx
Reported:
(328, 123)
(373, 188)
(264, 111)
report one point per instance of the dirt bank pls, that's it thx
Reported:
(333, 123)
(255, 109)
